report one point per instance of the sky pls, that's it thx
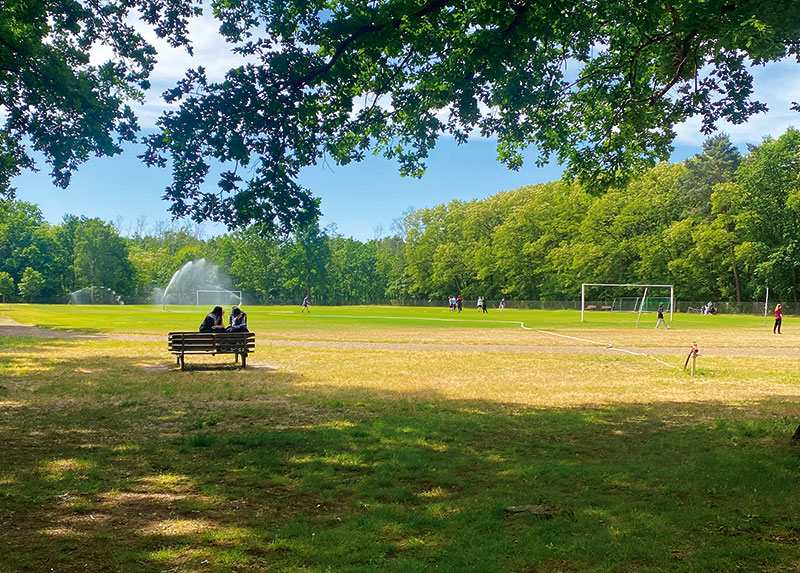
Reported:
(361, 200)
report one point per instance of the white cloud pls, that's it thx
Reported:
(777, 85)
(211, 51)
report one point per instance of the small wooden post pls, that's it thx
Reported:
(692, 356)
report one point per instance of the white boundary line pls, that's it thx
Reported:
(606, 345)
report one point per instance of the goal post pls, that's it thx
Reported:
(628, 285)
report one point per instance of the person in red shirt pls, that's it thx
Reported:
(778, 319)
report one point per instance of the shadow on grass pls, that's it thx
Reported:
(124, 471)
(211, 366)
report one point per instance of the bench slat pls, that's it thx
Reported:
(239, 343)
(211, 343)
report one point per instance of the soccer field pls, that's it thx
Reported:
(538, 358)
(394, 439)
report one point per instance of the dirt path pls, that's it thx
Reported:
(11, 328)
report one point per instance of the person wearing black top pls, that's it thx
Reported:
(661, 317)
(213, 321)
(237, 321)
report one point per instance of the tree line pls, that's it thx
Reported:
(720, 226)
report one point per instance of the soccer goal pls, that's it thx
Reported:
(219, 297)
(637, 304)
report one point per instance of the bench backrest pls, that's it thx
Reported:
(211, 341)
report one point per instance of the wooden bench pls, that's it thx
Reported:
(237, 343)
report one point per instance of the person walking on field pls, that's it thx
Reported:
(778, 319)
(484, 306)
(661, 317)
(305, 305)
(459, 302)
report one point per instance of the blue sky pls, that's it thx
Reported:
(360, 199)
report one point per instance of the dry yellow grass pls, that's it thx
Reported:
(528, 379)
(516, 336)
(539, 380)
(406, 438)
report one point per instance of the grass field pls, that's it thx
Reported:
(394, 439)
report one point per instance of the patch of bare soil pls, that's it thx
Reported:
(10, 327)
(154, 368)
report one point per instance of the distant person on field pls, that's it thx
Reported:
(459, 303)
(237, 321)
(661, 317)
(306, 301)
(452, 302)
(484, 305)
(502, 305)
(480, 302)
(213, 321)
(778, 319)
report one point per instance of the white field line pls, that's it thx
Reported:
(606, 345)
(609, 346)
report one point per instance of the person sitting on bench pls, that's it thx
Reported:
(237, 321)
(213, 321)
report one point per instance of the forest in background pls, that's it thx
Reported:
(720, 226)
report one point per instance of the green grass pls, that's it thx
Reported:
(157, 319)
(337, 459)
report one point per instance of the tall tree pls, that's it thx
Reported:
(31, 284)
(598, 85)
(769, 214)
(6, 285)
(101, 257)
(26, 240)
(306, 255)
(716, 164)
(259, 265)
(54, 99)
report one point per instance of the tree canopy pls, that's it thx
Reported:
(597, 85)
(54, 99)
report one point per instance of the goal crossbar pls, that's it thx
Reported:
(670, 287)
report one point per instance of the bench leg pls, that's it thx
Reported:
(244, 360)
(183, 365)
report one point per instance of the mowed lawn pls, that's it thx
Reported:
(395, 439)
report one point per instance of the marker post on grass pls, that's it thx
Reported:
(693, 355)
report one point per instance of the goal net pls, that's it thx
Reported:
(219, 297)
(640, 304)
(650, 298)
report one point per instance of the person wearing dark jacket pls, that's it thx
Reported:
(237, 321)
(213, 321)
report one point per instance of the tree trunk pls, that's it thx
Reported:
(736, 279)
